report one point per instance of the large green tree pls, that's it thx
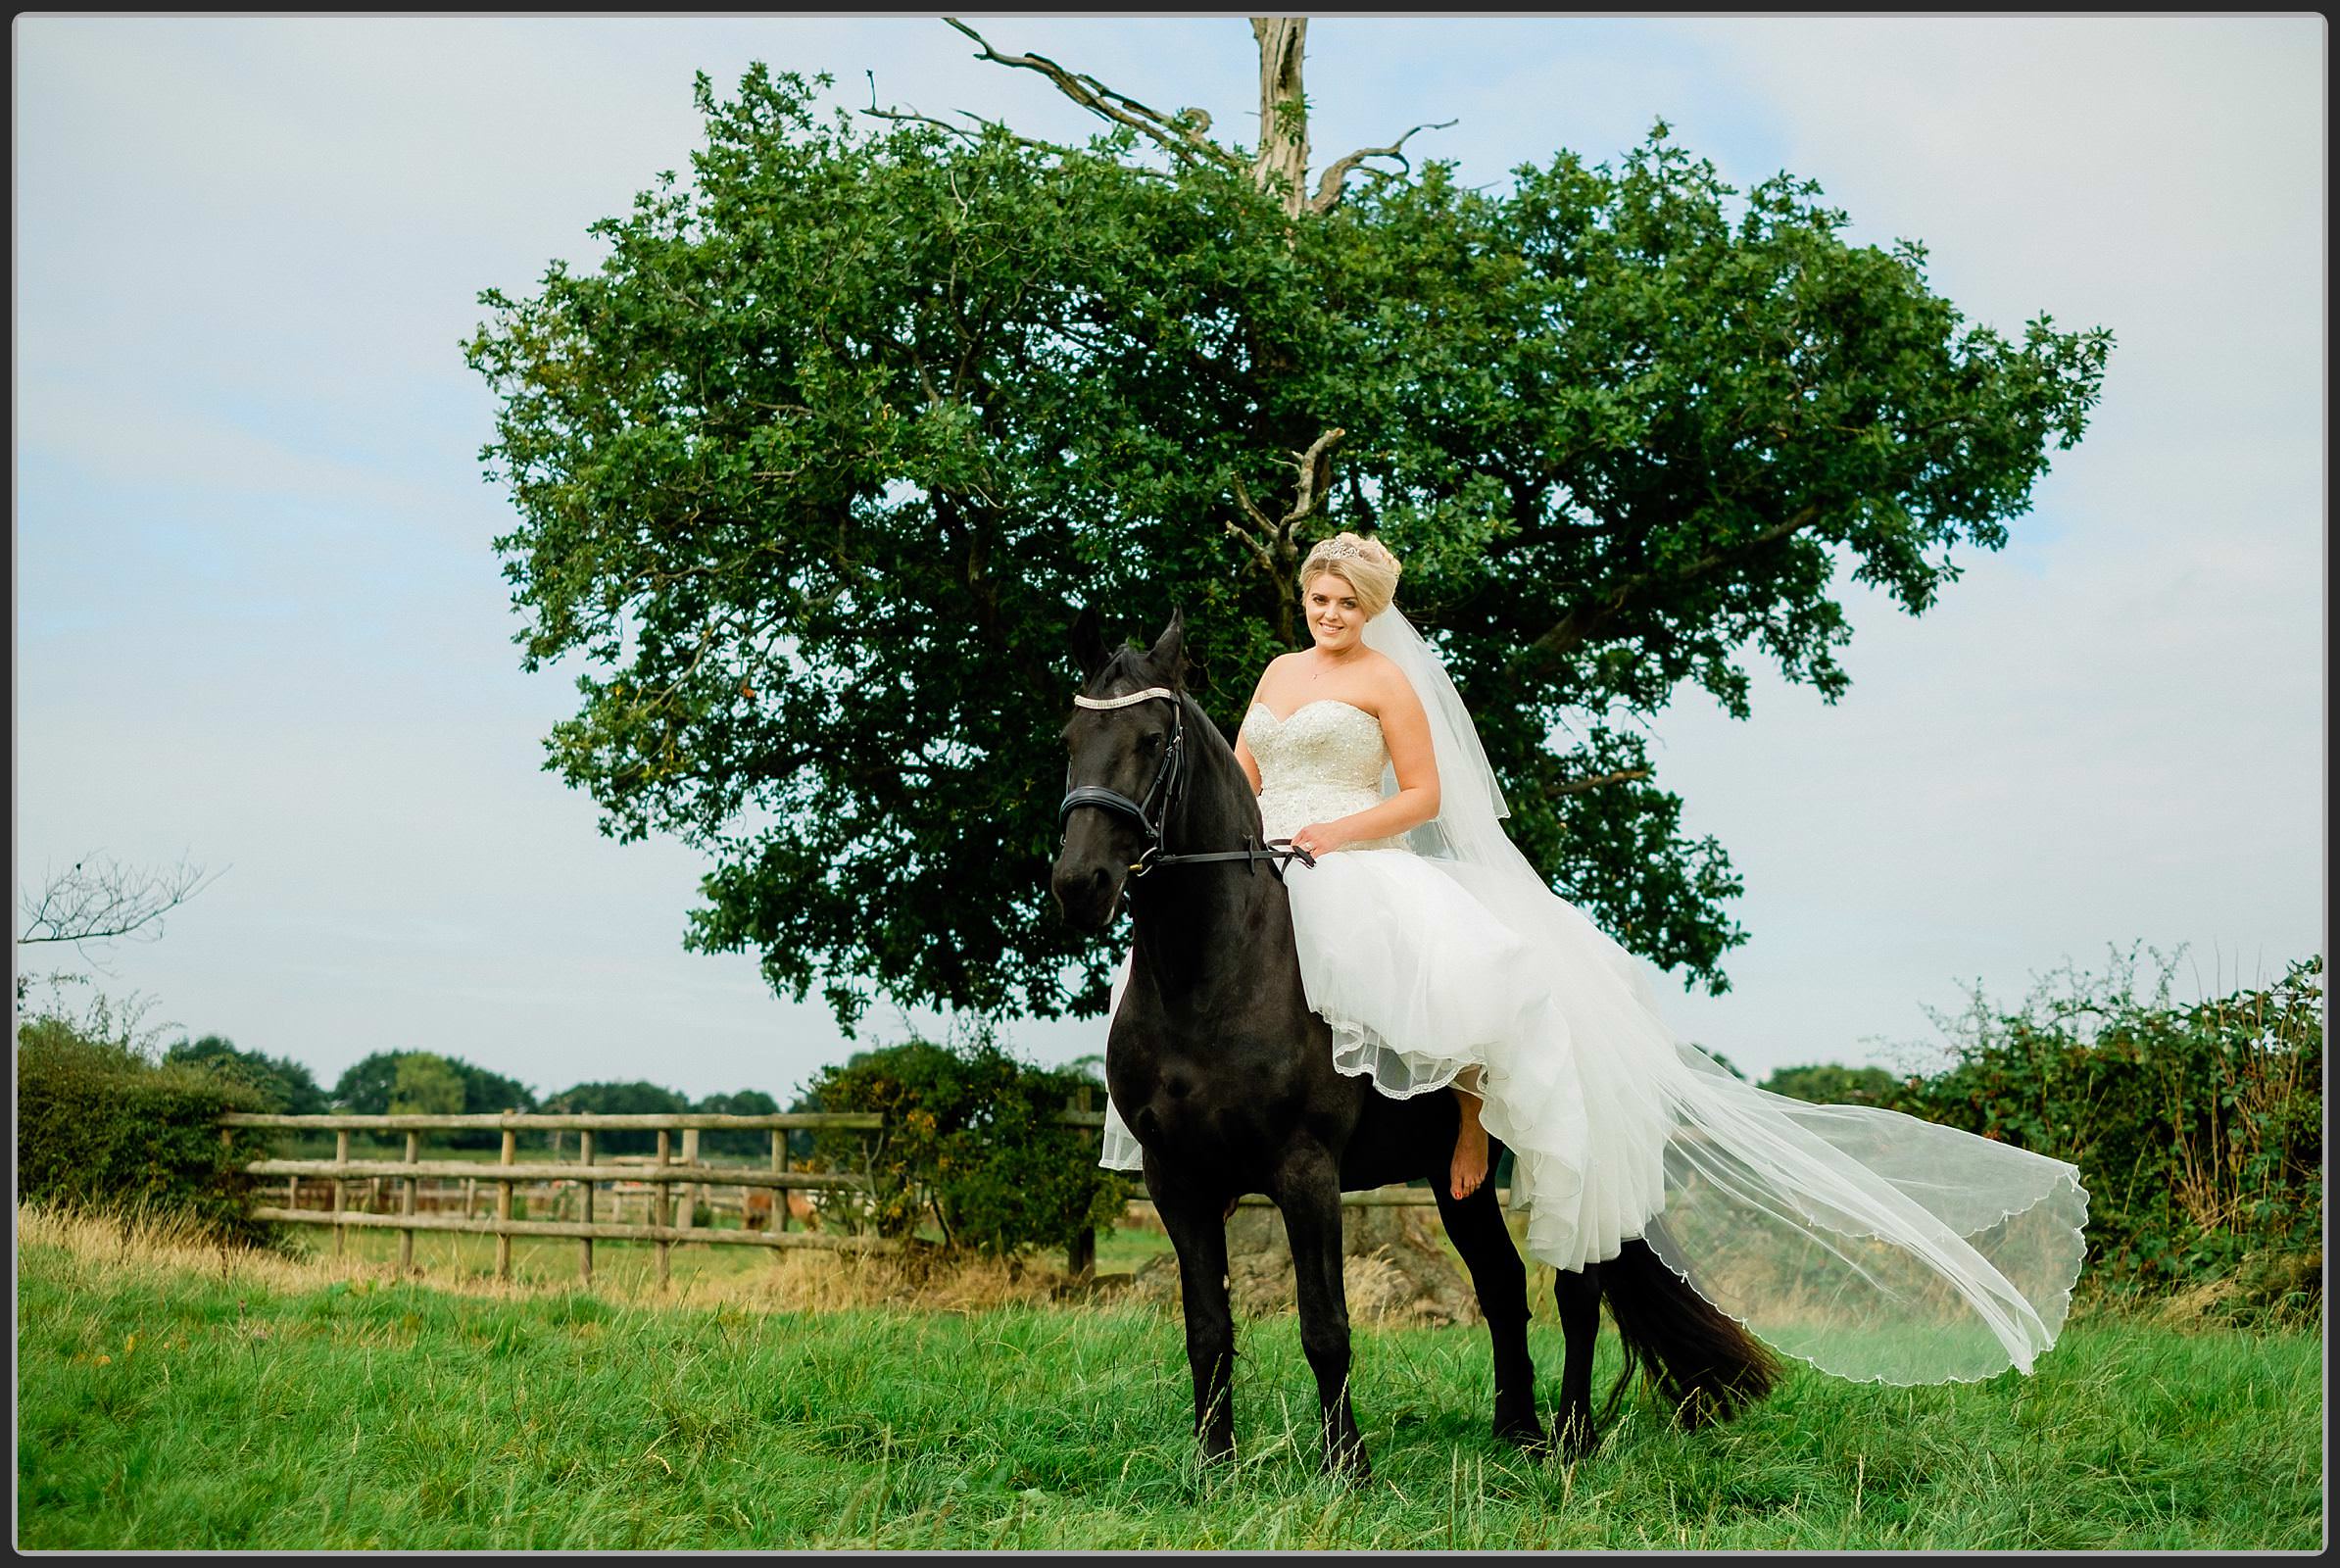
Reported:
(813, 472)
(426, 1085)
(368, 1086)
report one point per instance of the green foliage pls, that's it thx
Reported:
(288, 1087)
(745, 1103)
(364, 1087)
(101, 1125)
(635, 1099)
(2198, 1127)
(370, 1086)
(426, 1085)
(815, 469)
(1828, 1084)
(972, 1140)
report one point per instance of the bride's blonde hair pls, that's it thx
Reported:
(1365, 564)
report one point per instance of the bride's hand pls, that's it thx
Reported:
(1321, 839)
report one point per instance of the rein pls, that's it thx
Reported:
(1162, 794)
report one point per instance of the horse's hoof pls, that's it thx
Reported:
(1351, 1470)
(1573, 1440)
(1528, 1436)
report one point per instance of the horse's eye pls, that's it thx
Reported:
(1151, 741)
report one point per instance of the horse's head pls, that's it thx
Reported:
(1117, 757)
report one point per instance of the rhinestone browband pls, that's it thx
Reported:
(1124, 702)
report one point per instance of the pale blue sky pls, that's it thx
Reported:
(258, 619)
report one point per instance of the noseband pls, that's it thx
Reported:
(1153, 810)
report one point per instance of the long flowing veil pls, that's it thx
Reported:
(1877, 1246)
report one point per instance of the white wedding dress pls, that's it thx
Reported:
(1874, 1245)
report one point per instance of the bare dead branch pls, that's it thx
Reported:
(960, 131)
(1243, 495)
(99, 900)
(1181, 136)
(1258, 550)
(1329, 184)
(1315, 470)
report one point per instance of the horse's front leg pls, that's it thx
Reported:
(1307, 1189)
(1197, 1230)
(1576, 1292)
(1475, 1225)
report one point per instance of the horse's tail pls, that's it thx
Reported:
(1703, 1365)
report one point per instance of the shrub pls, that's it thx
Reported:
(1828, 1084)
(971, 1139)
(102, 1126)
(2198, 1127)
(290, 1087)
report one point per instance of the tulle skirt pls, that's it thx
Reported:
(1874, 1245)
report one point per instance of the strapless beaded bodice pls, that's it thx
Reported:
(1322, 763)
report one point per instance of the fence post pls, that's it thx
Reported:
(406, 1233)
(693, 1193)
(503, 1202)
(341, 1156)
(661, 1204)
(1079, 1252)
(779, 1194)
(585, 1246)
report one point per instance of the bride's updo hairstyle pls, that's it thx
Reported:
(1365, 564)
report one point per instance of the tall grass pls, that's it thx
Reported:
(172, 1395)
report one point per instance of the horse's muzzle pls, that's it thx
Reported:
(1087, 892)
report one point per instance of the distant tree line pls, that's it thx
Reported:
(432, 1083)
(2198, 1126)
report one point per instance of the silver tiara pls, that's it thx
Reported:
(1339, 548)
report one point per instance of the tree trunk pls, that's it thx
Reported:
(1282, 165)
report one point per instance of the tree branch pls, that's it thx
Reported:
(1580, 623)
(1242, 496)
(1181, 136)
(99, 900)
(1315, 470)
(960, 131)
(1577, 786)
(1329, 184)
(1258, 551)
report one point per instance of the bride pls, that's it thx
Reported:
(1874, 1245)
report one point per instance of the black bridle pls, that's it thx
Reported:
(1152, 810)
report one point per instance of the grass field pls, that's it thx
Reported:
(171, 1398)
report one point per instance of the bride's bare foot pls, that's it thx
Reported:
(1469, 1149)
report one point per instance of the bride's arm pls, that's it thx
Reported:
(1405, 731)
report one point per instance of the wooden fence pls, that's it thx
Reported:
(660, 1174)
(425, 1189)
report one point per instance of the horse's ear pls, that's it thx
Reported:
(1168, 656)
(1088, 643)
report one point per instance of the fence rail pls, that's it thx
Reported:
(586, 1175)
(648, 1179)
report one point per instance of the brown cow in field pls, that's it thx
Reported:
(759, 1211)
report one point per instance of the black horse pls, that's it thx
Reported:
(1226, 1078)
